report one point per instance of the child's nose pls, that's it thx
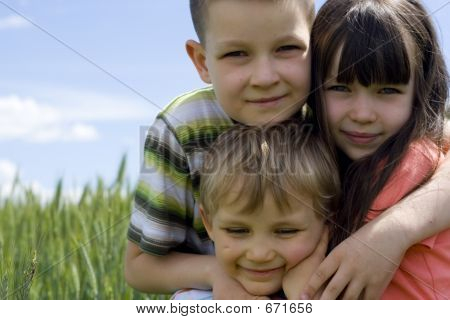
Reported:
(264, 73)
(362, 109)
(260, 252)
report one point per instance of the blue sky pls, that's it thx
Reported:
(78, 79)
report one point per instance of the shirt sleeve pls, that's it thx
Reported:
(416, 167)
(163, 197)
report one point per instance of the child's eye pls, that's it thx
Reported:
(389, 91)
(338, 88)
(286, 231)
(236, 230)
(235, 54)
(288, 48)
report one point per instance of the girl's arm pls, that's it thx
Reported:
(366, 261)
(426, 211)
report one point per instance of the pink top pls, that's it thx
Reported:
(424, 272)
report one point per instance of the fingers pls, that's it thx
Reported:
(336, 285)
(323, 243)
(318, 293)
(374, 292)
(355, 290)
(322, 274)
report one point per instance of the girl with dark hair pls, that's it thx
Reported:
(379, 91)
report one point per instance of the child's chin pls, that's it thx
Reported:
(261, 289)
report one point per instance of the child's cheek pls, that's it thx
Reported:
(228, 254)
(296, 256)
(301, 250)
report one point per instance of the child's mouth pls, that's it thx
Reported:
(360, 137)
(267, 102)
(261, 273)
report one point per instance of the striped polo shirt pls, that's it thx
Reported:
(165, 212)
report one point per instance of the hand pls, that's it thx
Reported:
(360, 267)
(295, 280)
(226, 288)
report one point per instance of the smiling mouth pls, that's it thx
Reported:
(267, 101)
(262, 273)
(360, 137)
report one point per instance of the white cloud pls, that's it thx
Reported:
(91, 106)
(83, 131)
(65, 116)
(26, 119)
(13, 22)
(76, 132)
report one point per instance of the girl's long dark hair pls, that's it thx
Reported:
(373, 36)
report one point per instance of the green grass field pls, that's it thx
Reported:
(62, 249)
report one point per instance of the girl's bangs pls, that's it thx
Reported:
(373, 52)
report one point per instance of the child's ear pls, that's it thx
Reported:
(206, 222)
(197, 54)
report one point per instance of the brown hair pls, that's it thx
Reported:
(199, 14)
(373, 36)
(285, 159)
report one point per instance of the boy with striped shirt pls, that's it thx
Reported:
(259, 68)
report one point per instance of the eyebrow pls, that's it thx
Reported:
(231, 221)
(239, 43)
(288, 38)
(230, 42)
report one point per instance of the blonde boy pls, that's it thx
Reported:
(256, 56)
(265, 195)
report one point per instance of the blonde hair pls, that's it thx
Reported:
(286, 159)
